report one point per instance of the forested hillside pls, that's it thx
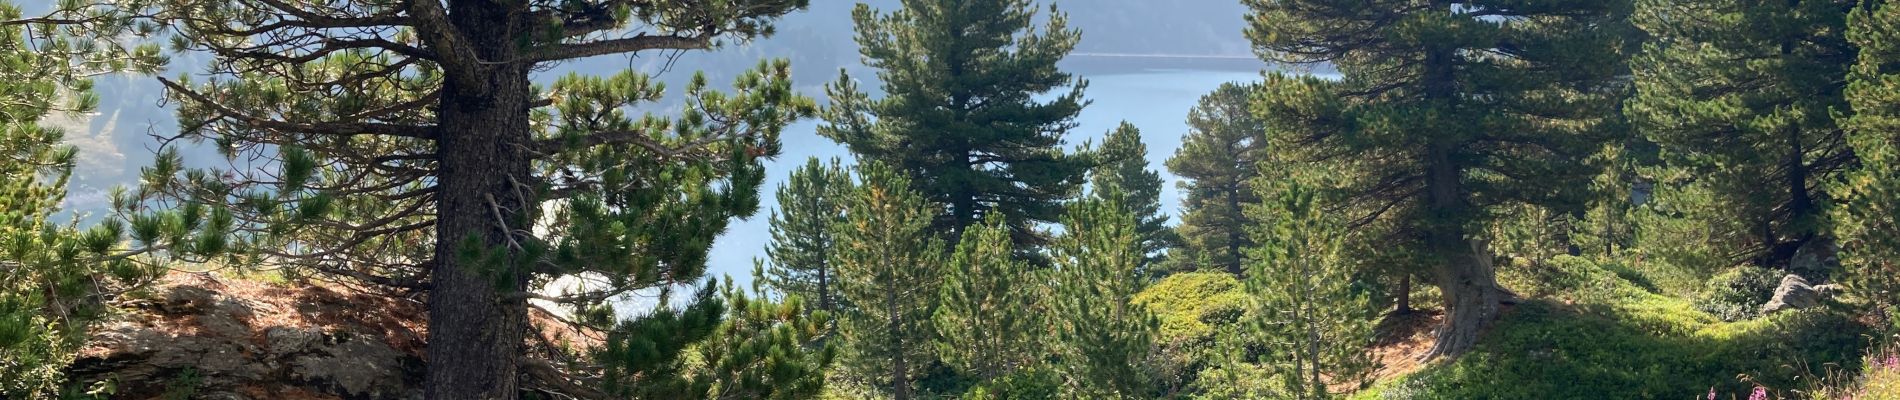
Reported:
(520, 199)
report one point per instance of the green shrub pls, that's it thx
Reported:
(1738, 293)
(1194, 308)
(1029, 384)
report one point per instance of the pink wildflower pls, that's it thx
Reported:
(1711, 393)
(1761, 393)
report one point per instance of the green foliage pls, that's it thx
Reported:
(1879, 379)
(400, 145)
(725, 344)
(965, 116)
(1217, 164)
(1738, 293)
(1612, 338)
(1123, 162)
(1444, 112)
(1194, 306)
(889, 267)
(766, 349)
(1104, 338)
(183, 386)
(1027, 384)
(809, 203)
(1195, 310)
(1742, 94)
(989, 320)
(645, 357)
(1869, 219)
(1313, 325)
(53, 276)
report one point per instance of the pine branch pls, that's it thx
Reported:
(316, 128)
(455, 55)
(637, 43)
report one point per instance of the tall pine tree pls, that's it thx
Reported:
(401, 145)
(1217, 163)
(809, 203)
(1124, 163)
(1742, 94)
(889, 267)
(965, 113)
(1444, 111)
(987, 320)
(1103, 337)
(1869, 217)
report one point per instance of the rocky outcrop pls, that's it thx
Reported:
(197, 336)
(1816, 259)
(1795, 293)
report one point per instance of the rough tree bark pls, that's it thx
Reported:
(483, 121)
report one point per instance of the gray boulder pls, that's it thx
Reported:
(1816, 259)
(1795, 293)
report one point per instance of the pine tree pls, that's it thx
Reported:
(1104, 338)
(1444, 111)
(54, 277)
(961, 116)
(888, 267)
(1869, 217)
(747, 346)
(1217, 163)
(809, 203)
(765, 349)
(986, 316)
(1742, 94)
(1316, 326)
(401, 145)
(1124, 163)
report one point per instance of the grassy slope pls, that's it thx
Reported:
(1601, 333)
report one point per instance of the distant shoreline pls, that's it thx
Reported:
(1161, 55)
(1087, 64)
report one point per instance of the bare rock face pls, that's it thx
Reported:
(1816, 259)
(203, 337)
(1795, 293)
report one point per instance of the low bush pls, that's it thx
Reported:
(1738, 293)
(1194, 308)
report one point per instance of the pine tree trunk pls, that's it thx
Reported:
(1404, 296)
(1234, 264)
(900, 363)
(824, 286)
(1471, 300)
(1465, 277)
(1800, 203)
(474, 335)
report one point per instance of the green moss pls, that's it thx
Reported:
(1597, 335)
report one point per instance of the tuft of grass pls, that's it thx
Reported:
(1880, 384)
(1592, 333)
(1879, 378)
